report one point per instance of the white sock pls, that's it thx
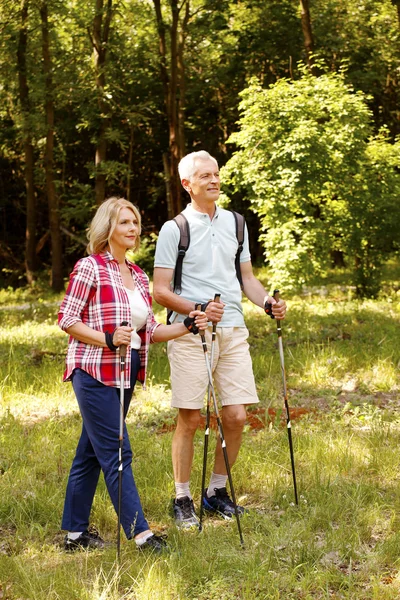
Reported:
(182, 490)
(216, 482)
(143, 538)
(73, 535)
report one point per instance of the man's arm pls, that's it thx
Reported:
(162, 294)
(256, 293)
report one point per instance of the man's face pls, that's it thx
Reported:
(205, 183)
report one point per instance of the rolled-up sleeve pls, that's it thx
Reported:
(152, 330)
(153, 323)
(81, 287)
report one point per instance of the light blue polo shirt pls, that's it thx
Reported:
(209, 264)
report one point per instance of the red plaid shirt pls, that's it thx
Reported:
(96, 296)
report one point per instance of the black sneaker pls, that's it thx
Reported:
(155, 543)
(221, 504)
(184, 514)
(87, 540)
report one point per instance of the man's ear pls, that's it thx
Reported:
(186, 185)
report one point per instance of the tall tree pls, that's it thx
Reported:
(52, 198)
(30, 235)
(99, 36)
(172, 73)
(307, 32)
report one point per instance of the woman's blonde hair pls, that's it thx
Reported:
(104, 222)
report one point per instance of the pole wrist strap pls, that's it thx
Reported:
(268, 307)
(202, 305)
(109, 341)
(191, 325)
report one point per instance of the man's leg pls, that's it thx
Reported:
(234, 380)
(182, 458)
(189, 385)
(182, 443)
(233, 422)
(216, 498)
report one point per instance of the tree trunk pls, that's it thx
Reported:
(99, 39)
(30, 231)
(307, 32)
(130, 164)
(54, 216)
(170, 208)
(173, 80)
(174, 149)
(182, 81)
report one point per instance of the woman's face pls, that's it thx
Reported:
(126, 231)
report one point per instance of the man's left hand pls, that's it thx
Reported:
(278, 308)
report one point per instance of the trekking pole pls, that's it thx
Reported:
(122, 357)
(285, 395)
(221, 432)
(207, 428)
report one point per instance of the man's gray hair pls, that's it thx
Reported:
(187, 166)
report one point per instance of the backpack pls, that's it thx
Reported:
(184, 243)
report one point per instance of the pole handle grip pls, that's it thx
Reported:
(122, 348)
(268, 306)
(217, 298)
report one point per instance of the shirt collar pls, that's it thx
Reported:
(200, 215)
(108, 257)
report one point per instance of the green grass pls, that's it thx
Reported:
(342, 541)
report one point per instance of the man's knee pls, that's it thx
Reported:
(188, 421)
(234, 417)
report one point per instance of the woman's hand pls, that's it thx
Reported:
(122, 336)
(200, 319)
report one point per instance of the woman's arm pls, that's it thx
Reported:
(164, 333)
(87, 335)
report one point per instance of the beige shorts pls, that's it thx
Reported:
(232, 369)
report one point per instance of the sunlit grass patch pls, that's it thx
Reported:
(342, 540)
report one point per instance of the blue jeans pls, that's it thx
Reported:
(98, 450)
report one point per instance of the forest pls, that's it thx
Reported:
(297, 100)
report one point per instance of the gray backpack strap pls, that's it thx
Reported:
(240, 224)
(184, 242)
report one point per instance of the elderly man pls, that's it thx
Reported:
(208, 268)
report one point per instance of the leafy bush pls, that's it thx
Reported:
(319, 181)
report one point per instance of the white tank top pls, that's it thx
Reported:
(139, 312)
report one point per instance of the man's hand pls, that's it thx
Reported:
(214, 311)
(275, 307)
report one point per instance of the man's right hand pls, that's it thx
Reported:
(214, 311)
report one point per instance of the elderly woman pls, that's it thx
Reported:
(105, 290)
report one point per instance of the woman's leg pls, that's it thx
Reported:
(99, 405)
(82, 483)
